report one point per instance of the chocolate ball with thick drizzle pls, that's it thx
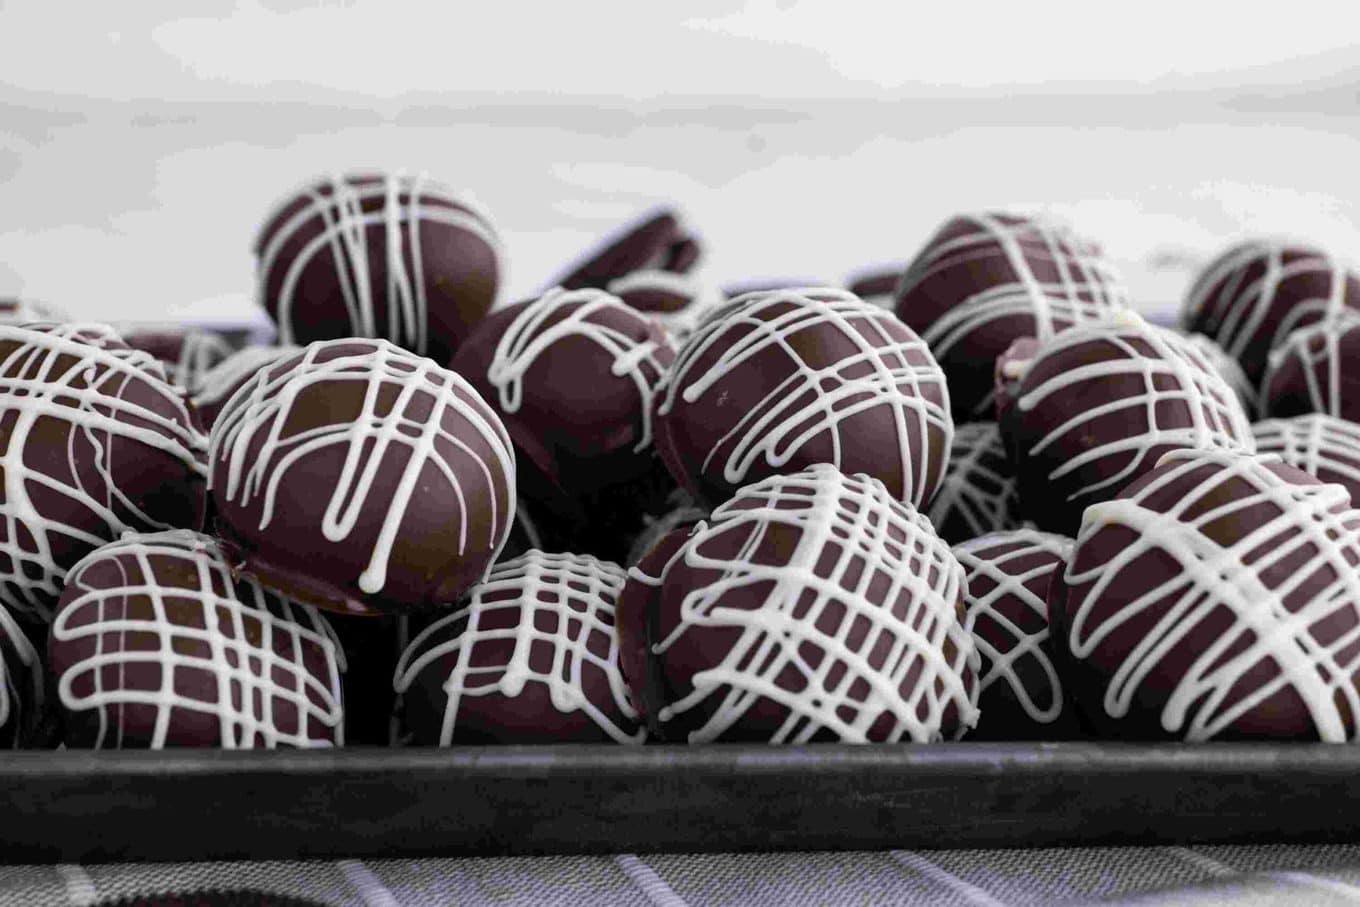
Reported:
(359, 477)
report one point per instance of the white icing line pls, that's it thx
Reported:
(366, 883)
(969, 892)
(648, 881)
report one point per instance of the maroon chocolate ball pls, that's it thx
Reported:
(658, 240)
(1256, 293)
(387, 256)
(977, 495)
(985, 279)
(877, 283)
(811, 607)
(771, 383)
(217, 384)
(1099, 404)
(677, 301)
(574, 375)
(1323, 446)
(359, 477)
(1020, 691)
(94, 442)
(530, 656)
(156, 643)
(187, 353)
(1317, 370)
(1216, 598)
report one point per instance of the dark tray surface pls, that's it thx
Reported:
(193, 805)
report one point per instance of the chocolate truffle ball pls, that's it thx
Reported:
(531, 656)
(1228, 367)
(814, 606)
(388, 256)
(977, 495)
(186, 353)
(658, 240)
(14, 310)
(1256, 293)
(1323, 446)
(677, 301)
(1216, 598)
(359, 477)
(1317, 370)
(156, 643)
(772, 383)
(21, 683)
(1099, 405)
(573, 375)
(877, 284)
(1007, 577)
(93, 442)
(217, 385)
(985, 279)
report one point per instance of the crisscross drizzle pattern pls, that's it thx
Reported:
(1014, 569)
(346, 208)
(1282, 559)
(83, 378)
(180, 634)
(977, 494)
(561, 603)
(1315, 369)
(868, 598)
(597, 316)
(888, 370)
(396, 384)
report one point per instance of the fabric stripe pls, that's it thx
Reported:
(645, 878)
(1201, 861)
(370, 888)
(941, 876)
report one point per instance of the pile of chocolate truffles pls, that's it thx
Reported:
(974, 496)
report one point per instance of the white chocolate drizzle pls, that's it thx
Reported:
(577, 594)
(1228, 367)
(222, 379)
(979, 485)
(405, 203)
(78, 375)
(1324, 446)
(1171, 374)
(990, 557)
(592, 315)
(1313, 532)
(252, 637)
(888, 574)
(1242, 310)
(396, 383)
(1323, 364)
(890, 369)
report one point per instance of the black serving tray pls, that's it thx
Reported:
(196, 805)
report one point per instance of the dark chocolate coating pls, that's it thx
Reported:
(1317, 370)
(96, 443)
(231, 374)
(1229, 368)
(1323, 446)
(155, 644)
(729, 612)
(310, 261)
(186, 353)
(1100, 404)
(573, 376)
(657, 240)
(877, 285)
(984, 280)
(681, 512)
(348, 416)
(1008, 575)
(531, 656)
(1256, 293)
(771, 383)
(977, 495)
(1182, 590)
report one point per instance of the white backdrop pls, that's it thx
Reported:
(140, 148)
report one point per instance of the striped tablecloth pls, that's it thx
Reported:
(1267, 874)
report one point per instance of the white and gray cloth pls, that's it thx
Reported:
(1250, 875)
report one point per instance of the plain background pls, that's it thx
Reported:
(140, 144)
